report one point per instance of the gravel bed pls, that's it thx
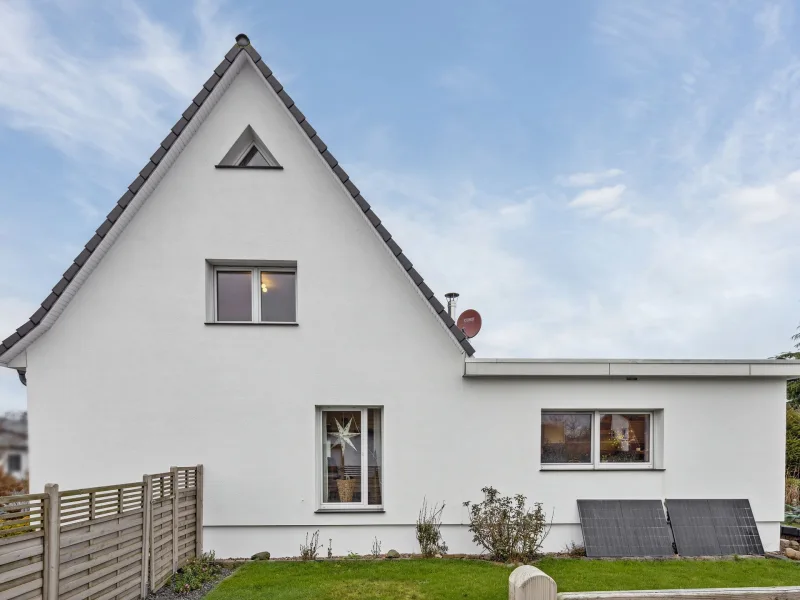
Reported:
(166, 593)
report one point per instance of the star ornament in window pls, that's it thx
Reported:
(343, 435)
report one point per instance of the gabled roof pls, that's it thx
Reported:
(242, 45)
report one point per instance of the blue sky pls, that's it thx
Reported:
(598, 178)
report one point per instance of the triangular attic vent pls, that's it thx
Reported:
(249, 152)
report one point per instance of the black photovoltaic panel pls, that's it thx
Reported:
(714, 527)
(616, 528)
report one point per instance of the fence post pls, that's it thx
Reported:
(198, 519)
(52, 542)
(147, 507)
(174, 471)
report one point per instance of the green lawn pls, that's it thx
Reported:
(478, 580)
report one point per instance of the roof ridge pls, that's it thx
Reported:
(242, 44)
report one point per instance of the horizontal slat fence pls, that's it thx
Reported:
(102, 543)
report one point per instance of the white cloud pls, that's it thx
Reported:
(118, 102)
(588, 179)
(599, 200)
(768, 21)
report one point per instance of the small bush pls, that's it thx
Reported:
(506, 527)
(376, 548)
(308, 551)
(574, 550)
(429, 535)
(195, 573)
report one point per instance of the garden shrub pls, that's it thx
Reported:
(195, 573)
(507, 528)
(429, 535)
(308, 551)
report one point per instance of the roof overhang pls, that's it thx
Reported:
(603, 367)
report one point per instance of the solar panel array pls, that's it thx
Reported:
(617, 528)
(714, 527)
(620, 528)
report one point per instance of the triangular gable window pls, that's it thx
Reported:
(249, 152)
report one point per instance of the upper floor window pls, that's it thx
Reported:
(255, 294)
(14, 463)
(597, 439)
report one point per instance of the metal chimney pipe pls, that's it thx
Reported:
(452, 298)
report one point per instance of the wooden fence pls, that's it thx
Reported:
(103, 543)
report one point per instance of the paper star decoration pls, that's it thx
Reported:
(343, 435)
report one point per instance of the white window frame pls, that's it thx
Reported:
(255, 289)
(364, 505)
(595, 463)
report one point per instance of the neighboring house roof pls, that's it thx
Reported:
(242, 45)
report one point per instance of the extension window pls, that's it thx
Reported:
(600, 439)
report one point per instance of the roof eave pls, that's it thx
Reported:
(502, 367)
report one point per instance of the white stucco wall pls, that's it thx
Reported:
(129, 380)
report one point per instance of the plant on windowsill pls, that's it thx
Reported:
(345, 485)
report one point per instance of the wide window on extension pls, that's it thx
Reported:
(258, 295)
(597, 439)
(350, 445)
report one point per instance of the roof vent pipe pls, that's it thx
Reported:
(452, 298)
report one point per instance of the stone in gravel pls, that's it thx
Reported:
(792, 553)
(260, 556)
(392, 554)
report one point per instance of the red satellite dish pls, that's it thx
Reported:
(469, 322)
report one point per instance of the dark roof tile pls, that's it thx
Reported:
(265, 70)
(253, 53)
(383, 232)
(426, 291)
(148, 168)
(104, 228)
(136, 184)
(60, 286)
(242, 42)
(179, 126)
(233, 53)
(72, 271)
(115, 213)
(82, 257)
(276, 85)
(92, 243)
(362, 203)
(330, 158)
(211, 82)
(126, 199)
(189, 112)
(317, 141)
(49, 301)
(457, 332)
(25, 329)
(12, 339)
(158, 155)
(286, 98)
(297, 114)
(222, 67)
(38, 315)
(404, 261)
(341, 173)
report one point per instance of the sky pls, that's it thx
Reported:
(599, 178)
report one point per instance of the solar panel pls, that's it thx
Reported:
(714, 527)
(617, 528)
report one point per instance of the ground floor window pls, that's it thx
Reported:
(589, 439)
(351, 445)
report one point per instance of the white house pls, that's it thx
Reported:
(232, 311)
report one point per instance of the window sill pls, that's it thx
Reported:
(260, 323)
(359, 509)
(599, 470)
(264, 168)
